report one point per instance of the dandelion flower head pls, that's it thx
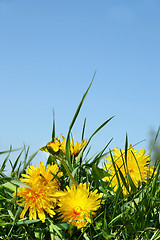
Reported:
(54, 146)
(39, 195)
(78, 205)
(58, 145)
(137, 164)
(74, 148)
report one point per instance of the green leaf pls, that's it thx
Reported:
(27, 222)
(52, 159)
(62, 226)
(18, 212)
(99, 173)
(68, 154)
(11, 185)
(54, 228)
(78, 158)
(115, 219)
(68, 172)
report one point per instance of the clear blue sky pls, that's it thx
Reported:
(49, 51)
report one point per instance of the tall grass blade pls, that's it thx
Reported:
(115, 207)
(137, 164)
(123, 179)
(4, 163)
(99, 128)
(28, 162)
(6, 159)
(53, 129)
(83, 130)
(16, 162)
(18, 212)
(11, 150)
(74, 119)
(80, 105)
(99, 156)
(115, 169)
(68, 155)
(126, 148)
(26, 154)
(131, 183)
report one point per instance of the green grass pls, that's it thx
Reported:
(134, 216)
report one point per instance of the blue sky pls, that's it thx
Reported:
(49, 51)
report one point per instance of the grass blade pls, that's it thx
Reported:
(74, 119)
(16, 162)
(28, 162)
(84, 125)
(53, 129)
(4, 163)
(99, 128)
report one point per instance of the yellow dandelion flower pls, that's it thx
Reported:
(78, 205)
(39, 196)
(57, 145)
(52, 146)
(137, 165)
(74, 148)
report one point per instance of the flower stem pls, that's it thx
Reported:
(68, 171)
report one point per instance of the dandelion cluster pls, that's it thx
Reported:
(42, 193)
(72, 195)
(76, 204)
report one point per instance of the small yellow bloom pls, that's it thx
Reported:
(39, 196)
(78, 205)
(74, 148)
(54, 147)
(137, 165)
